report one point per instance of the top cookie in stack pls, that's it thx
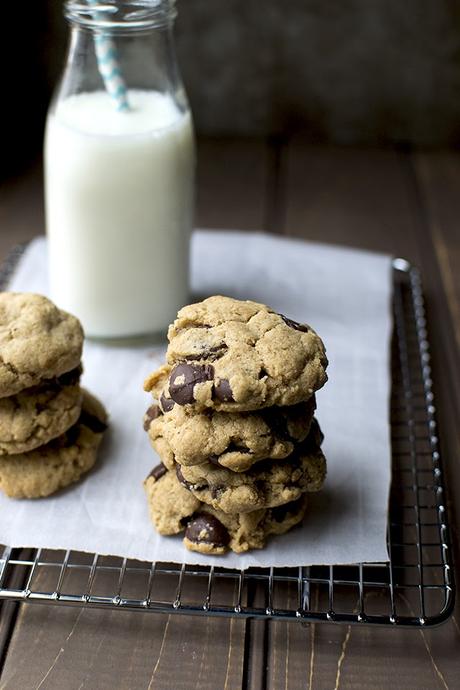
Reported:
(41, 399)
(234, 426)
(236, 356)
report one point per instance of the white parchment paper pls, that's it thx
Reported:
(346, 296)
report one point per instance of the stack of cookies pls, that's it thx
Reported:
(234, 425)
(50, 428)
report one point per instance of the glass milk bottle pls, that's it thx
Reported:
(119, 171)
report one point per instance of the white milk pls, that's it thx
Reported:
(119, 209)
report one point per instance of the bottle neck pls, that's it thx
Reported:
(121, 16)
(140, 56)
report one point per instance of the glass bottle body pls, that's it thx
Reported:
(119, 185)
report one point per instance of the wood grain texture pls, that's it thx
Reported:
(352, 197)
(438, 175)
(391, 201)
(76, 648)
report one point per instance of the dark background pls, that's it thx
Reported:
(366, 72)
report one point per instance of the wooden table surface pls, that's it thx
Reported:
(401, 202)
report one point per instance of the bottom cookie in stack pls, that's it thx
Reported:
(62, 461)
(174, 509)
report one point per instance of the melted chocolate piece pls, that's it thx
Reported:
(294, 324)
(223, 392)
(188, 485)
(158, 472)
(184, 378)
(166, 403)
(181, 478)
(207, 529)
(152, 413)
(93, 423)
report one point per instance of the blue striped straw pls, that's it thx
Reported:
(109, 68)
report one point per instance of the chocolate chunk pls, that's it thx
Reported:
(184, 378)
(223, 392)
(214, 459)
(166, 403)
(93, 423)
(152, 413)
(181, 478)
(207, 529)
(188, 485)
(158, 472)
(294, 324)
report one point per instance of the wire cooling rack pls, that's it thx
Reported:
(415, 588)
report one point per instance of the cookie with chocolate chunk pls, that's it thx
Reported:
(267, 484)
(173, 510)
(36, 415)
(38, 341)
(60, 462)
(236, 356)
(231, 440)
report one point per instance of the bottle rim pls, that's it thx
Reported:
(121, 15)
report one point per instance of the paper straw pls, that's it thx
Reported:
(109, 67)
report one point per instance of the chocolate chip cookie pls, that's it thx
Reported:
(173, 509)
(231, 440)
(38, 341)
(61, 462)
(238, 356)
(36, 415)
(266, 485)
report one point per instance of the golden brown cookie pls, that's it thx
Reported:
(235, 356)
(61, 462)
(38, 341)
(266, 485)
(231, 440)
(173, 509)
(36, 415)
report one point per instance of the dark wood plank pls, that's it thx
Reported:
(87, 649)
(375, 200)
(438, 175)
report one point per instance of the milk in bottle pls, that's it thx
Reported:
(119, 208)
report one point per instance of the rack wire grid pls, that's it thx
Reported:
(415, 588)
